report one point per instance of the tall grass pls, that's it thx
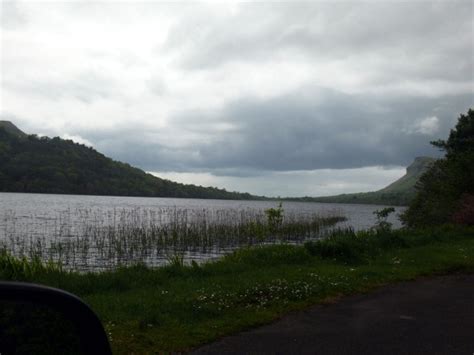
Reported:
(20, 269)
(92, 240)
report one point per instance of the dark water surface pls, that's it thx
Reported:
(33, 223)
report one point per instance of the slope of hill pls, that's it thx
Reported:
(400, 192)
(408, 181)
(52, 165)
(12, 129)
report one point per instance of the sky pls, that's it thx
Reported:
(275, 99)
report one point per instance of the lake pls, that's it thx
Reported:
(100, 232)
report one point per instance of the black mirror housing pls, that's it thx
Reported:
(85, 325)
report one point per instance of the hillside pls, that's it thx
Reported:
(53, 165)
(12, 129)
(408, 181)
(400, 192)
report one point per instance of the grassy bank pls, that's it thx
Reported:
(179, 307)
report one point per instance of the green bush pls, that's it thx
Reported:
(355, 247)
(390, 240)
(275, 217)
(342, 245)
(269, 255)
(382, 215)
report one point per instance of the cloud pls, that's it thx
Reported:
(322, 182)
(85, 87)
(310, 129)
(388, 41)
(11, 15)
(427, 126)
(243, 91)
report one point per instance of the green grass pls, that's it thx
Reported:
(180, 307)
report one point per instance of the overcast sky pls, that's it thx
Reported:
(286, 99)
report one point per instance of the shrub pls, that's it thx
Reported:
(382, 216)
(352, 247)
(269, 255)
(275, 217)
(344, 245)
(388, 239)
(465, 212)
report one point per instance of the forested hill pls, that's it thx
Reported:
(53, 165)
(400, 192)
(12, 129)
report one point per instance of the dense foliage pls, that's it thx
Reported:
(53, 165)
(446, 190)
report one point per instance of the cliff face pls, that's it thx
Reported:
(419, 165)
(408, 181)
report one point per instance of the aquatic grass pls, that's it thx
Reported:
(177, 307)
(124, 237)
(175, 260)
(15, 268)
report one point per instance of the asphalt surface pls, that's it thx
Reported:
(427, 316)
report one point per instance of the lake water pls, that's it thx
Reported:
(50, 225)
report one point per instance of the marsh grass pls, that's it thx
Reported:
(15, 268)
(176, 259)
(92, 240)
(177, 307)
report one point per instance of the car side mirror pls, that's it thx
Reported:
(36, 319)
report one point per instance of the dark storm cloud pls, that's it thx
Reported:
(328, 130)
(310, 129)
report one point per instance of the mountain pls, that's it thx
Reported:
(29, 163)
(12, 129)
(408, 181)
(400, 192)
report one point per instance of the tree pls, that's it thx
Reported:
(444, 192)
(382, 215)
(461, 138)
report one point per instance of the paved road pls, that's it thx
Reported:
(429, 316)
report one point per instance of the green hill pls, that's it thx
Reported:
(400, 192)
(12, 129)
(53, 165)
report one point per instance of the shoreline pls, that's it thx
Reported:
(179, 308)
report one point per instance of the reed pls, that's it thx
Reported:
(20, 269)
(88, 239)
